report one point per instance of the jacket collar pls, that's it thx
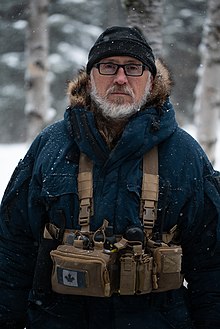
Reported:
(144, 130)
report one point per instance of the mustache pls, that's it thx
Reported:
(120, 89)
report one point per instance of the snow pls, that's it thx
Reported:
(191, 129)
(10, 154)
(9, 90)
(12, 59)
(72, 53)
(63, 2)
(20, 25)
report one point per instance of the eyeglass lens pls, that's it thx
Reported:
(112, 68)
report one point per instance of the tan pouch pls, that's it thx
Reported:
(167, 268)
(135, 274)
(144, 274)
(81, 272)
(127, 274)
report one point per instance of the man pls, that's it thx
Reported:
(119, 110)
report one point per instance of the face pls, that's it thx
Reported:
(119, 95)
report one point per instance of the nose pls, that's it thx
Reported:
(120, 77)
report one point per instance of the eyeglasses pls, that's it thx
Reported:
(133, 70)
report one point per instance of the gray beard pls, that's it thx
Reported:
(116, 110)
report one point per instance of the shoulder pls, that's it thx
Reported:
(54, 131)
(182, 156)
(51, 137)
(186, 145)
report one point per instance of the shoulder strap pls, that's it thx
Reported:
(150, 190)
(85, 190)
(149, 196)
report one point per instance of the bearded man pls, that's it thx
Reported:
(84, 245)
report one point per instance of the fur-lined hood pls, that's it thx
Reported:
(78, 96)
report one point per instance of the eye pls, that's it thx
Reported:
(108, 66)
(133, 68)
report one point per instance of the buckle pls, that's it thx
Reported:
(84, 213)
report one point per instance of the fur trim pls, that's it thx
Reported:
(162, 85)
(77, 90)
(78, 96)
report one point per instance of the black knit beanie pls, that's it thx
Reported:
(122, 41)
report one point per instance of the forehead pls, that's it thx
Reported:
(120, 59)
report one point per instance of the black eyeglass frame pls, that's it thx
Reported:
(97, 65)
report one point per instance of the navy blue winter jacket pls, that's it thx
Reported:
(44, 187)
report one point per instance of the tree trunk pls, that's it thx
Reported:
(147, 15)
(36, 80)
(207, 96)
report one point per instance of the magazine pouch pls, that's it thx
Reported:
(144, 274)
(127, 274)
(167, 268)
(135, 271)
(82, 272)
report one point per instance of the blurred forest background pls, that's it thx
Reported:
(73, 27)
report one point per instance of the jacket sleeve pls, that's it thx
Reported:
(201, 253)
(18, 247)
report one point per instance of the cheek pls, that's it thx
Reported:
(102, 87)
(139, 92)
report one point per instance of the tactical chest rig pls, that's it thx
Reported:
(100, 263)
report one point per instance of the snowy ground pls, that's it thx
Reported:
(10, 154)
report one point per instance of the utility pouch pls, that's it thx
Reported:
(82, 272)
(135, 270)
(127, 274)
(167, 268)
(144, 274)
